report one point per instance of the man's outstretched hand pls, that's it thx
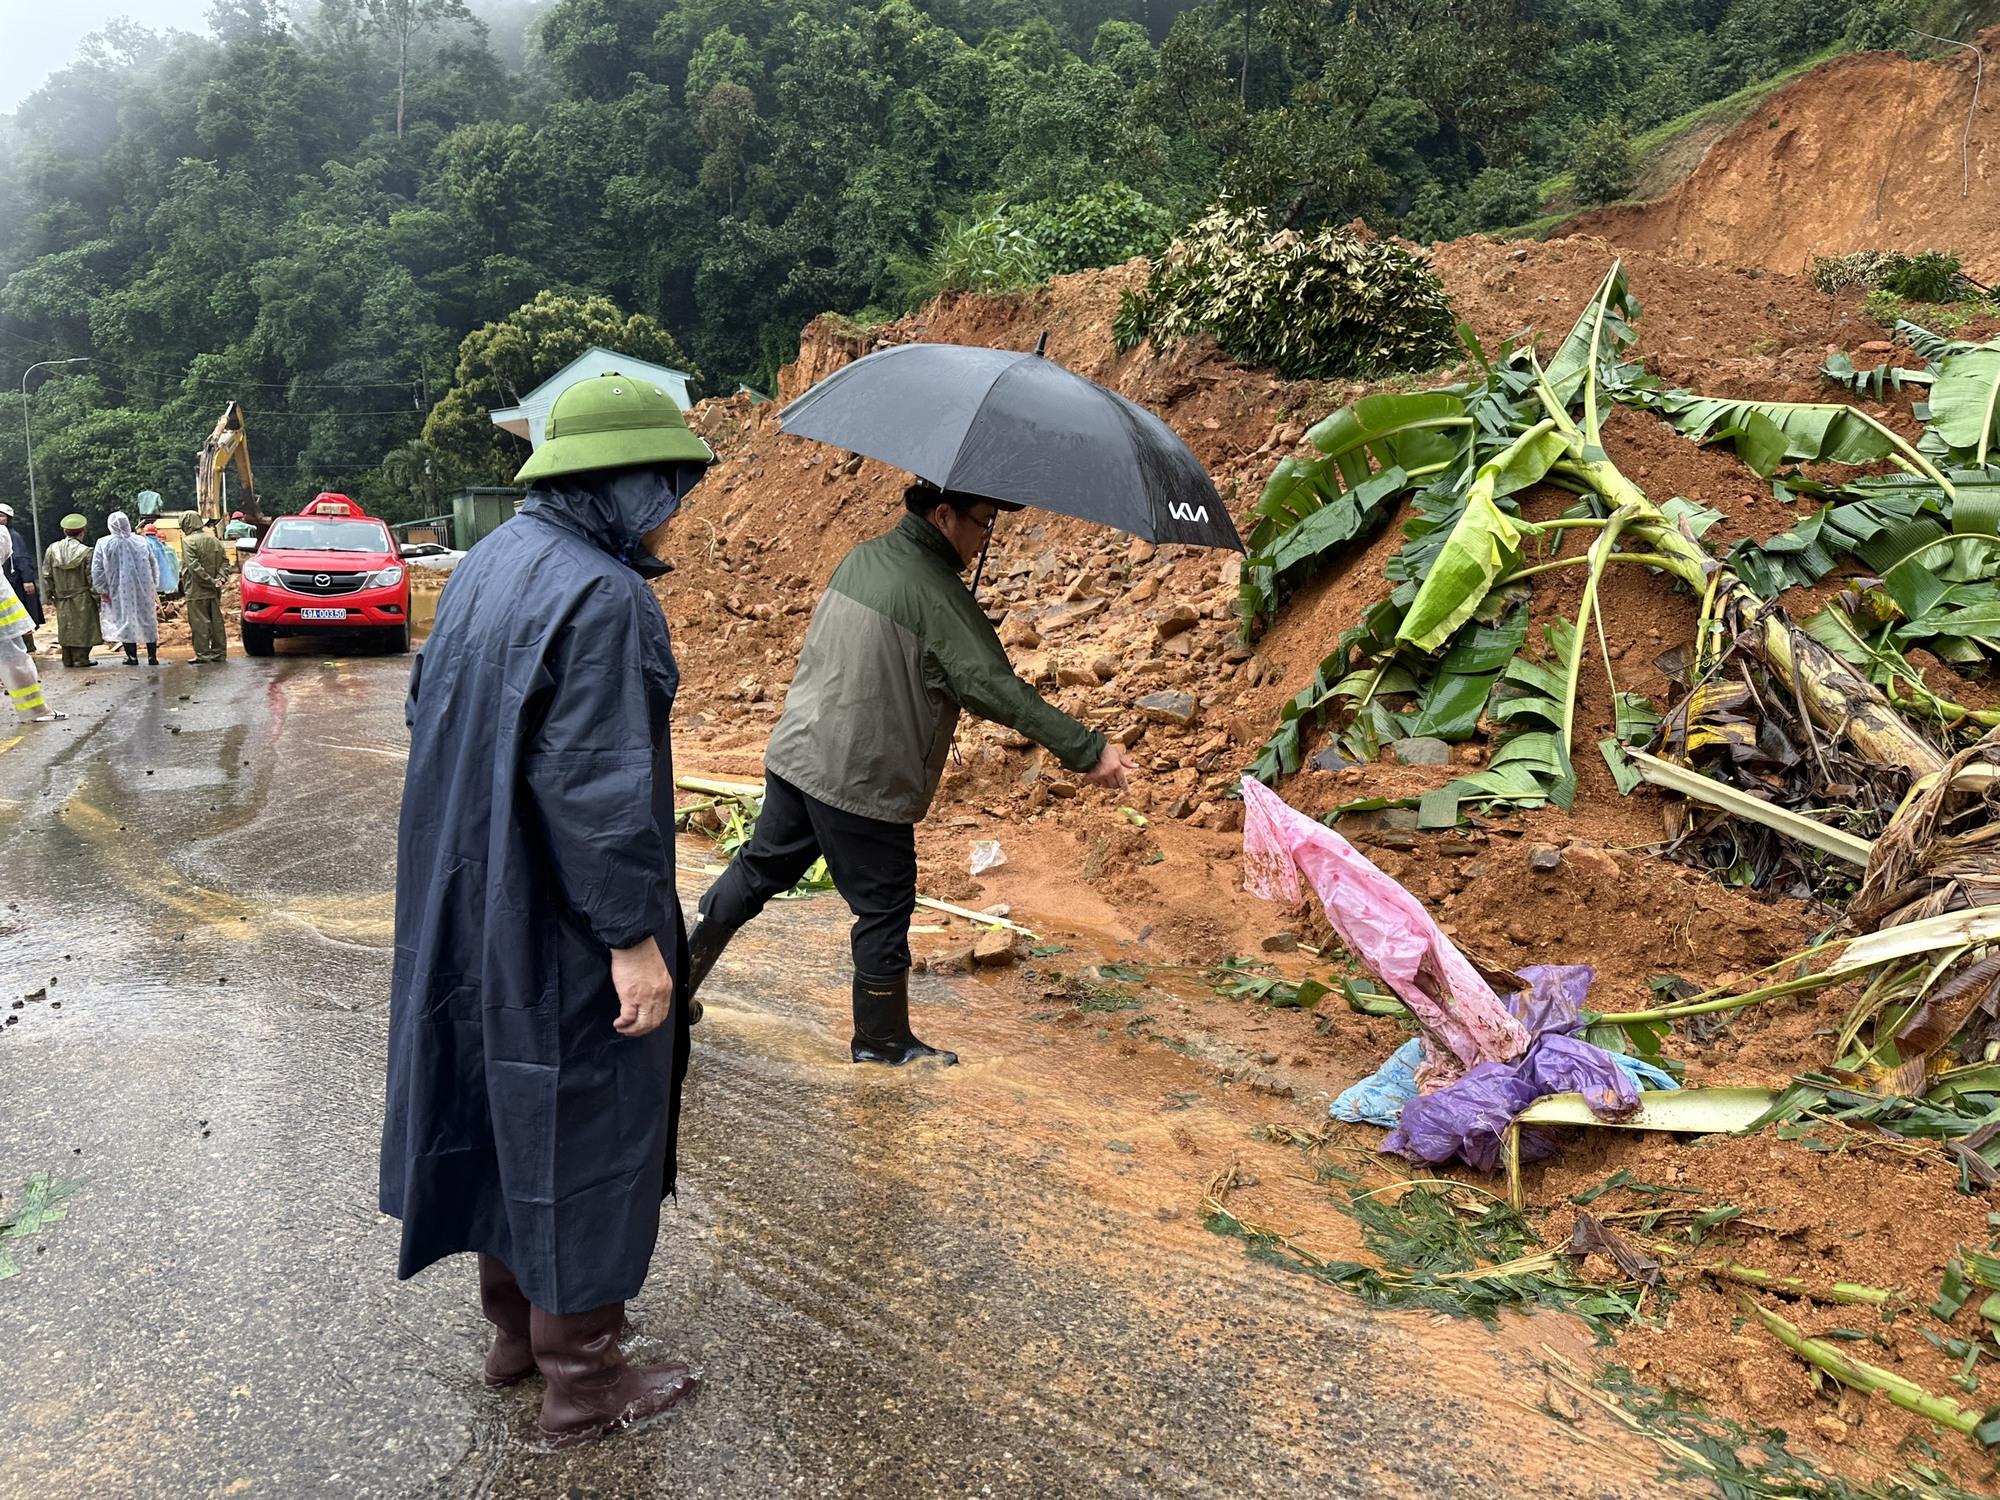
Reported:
(1113, 768)
(645, 988)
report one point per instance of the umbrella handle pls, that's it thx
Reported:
(976, 572)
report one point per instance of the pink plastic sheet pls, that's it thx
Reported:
(1385, 927)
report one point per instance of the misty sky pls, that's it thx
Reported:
(42, 35)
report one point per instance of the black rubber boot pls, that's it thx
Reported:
(882, 1023)
(131, 653)
(705, 945)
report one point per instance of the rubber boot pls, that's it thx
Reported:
(705, 945)
(131, 653)
(511, 1360)
(592, 1392)
(882, 1023)
(152, 653)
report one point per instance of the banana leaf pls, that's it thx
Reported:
(1483, 544)
(1466, 675)
(1829, 432)
(1600, 336)
(1359, 445)
(1931, 346)
(1965, 401)
(1879, 382)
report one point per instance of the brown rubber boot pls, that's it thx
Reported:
(511, 1360)
(592, 1392)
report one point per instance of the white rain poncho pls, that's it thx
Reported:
(127, 578)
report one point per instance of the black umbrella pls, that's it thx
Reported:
(1017, 427)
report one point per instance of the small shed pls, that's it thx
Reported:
(528, 419)
(479, 510)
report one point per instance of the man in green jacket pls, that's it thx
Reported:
(204, 570)
(896, 648)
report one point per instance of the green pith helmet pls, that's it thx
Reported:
(74, 522)
(613, 422)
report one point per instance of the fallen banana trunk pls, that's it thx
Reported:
(1705, 789)
(1862, 1376)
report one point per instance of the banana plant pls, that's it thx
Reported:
(1468, 553)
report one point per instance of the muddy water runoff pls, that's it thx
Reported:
(991, 1280)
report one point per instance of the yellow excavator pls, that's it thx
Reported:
(227, 448)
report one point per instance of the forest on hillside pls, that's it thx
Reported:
(370, 220)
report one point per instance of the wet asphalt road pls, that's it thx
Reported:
(896, 1283)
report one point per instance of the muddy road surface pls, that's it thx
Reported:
(992, 1280)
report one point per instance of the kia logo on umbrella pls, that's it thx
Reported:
(322, 579)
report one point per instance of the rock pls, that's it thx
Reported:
(994, 950)
(1179, 645)
(1329, 758)
(1383, 819)
(1420, 751)
(1231, 572)
(1176, 619)
(1130, 735)
(1063, 789)
(1544, 858)
(1456, 848)
(1875, 346)
(1168, 708)
(1069, 675)
(1180, 807)
(1141, 551)
(953, 960)
(1143, 591)
(1281, 942)
(1237, 652)
(1104, 668)
(1073, 614)
(1598, 864)
(1016, 631)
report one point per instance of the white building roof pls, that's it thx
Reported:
(528, 419)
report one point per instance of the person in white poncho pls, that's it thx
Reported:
(127, 579)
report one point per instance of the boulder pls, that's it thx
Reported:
(994, 949)
(1168, 708)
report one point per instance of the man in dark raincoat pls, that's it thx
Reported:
(536, 1047)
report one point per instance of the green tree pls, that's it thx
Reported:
(501, 362)
(401, 21)
(1602, 165)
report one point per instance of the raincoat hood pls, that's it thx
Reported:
(613, 508)
(120, 523)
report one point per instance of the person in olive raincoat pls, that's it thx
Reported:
(536, 1040)
(204, 570)
(66, 576)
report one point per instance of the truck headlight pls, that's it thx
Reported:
(258, 573)
(387, 578)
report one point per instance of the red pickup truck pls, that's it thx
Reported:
(332, 569)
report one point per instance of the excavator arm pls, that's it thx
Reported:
(227, 448)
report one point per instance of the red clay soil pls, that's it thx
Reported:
(1081, 610)
(1870, 152)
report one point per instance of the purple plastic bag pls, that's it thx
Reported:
(1468, 1119)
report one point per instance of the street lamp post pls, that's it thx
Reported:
(27, 433)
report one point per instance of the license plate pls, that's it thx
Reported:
(322, 614)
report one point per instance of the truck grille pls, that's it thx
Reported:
(321, 583)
